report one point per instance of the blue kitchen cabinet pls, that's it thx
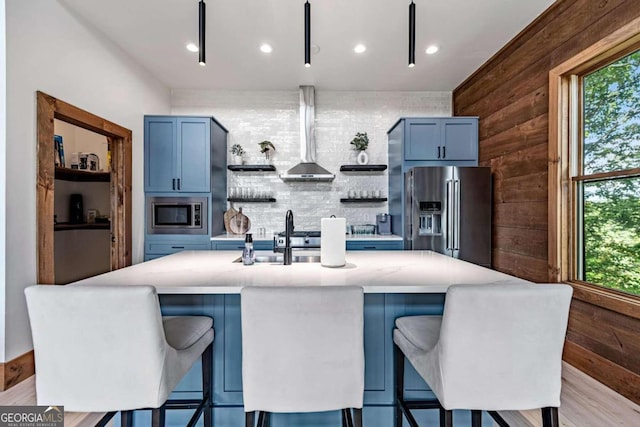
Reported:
(157, 245)
(177, 154)
(380, 312)
(374, 245)
(440, 141)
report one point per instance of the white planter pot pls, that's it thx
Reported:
(238, 160)
(363, 158)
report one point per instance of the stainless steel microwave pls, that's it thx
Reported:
(177, 215)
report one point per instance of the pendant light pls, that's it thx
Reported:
(201, 31)
(412, 34)
(307, 34)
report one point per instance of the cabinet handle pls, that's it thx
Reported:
(444, 152)
(177, 247)
(178, 183)
(369, 247)
(173, 184)
(438, 151)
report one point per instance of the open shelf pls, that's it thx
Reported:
(369, 200)
(363, 168)
(252, 168)
(251, 199)
(67, 174)
(82, 226)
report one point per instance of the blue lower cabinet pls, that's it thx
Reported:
(374, 245)
(380, 312)
(160, 245)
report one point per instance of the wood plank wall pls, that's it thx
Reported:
(510, 95)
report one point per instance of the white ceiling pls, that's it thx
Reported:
(155, 32)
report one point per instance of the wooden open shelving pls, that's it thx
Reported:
(363, 168)
(67, 174)
(63, 226)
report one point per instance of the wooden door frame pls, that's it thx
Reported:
(119, 138)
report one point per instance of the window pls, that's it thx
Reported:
(594, 172)
(606, 177)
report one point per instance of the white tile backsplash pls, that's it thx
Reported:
(252, 117)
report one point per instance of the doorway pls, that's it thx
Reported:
(115, 176)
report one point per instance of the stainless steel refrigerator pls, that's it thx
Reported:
(448, 210)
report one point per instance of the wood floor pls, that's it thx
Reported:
(585, 403)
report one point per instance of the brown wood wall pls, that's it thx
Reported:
(510, 95)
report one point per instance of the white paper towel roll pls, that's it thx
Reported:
(333, 246)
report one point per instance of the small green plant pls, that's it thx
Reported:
(237, 150)
(360, 142)
(266, 146)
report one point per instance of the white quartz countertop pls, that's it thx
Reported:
(269, 237)
(214, 272)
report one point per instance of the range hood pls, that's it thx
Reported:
(307, 169)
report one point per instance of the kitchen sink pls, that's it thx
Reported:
(279, 258)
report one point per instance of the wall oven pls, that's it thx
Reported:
(177, 215)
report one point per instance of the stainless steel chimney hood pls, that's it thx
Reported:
(308, 169)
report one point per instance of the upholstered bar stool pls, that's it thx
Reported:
(302, 351)
(108, 349)
(496, 347)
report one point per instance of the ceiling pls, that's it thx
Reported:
(155, 32)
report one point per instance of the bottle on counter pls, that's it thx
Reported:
(248, 254)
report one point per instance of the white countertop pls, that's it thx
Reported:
(214, 272)
(269, 237)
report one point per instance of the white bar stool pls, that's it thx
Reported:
(302, 351)
(496, 347)
(108, 349)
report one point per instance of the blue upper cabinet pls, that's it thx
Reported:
(441, 140)
(177, 154)
(423, 139)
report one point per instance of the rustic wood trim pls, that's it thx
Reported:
(628, 173)
(612, 375)
(17, 370)
(607, 298)
(561, 227)
(50, 108)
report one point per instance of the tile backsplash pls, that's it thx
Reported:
(252, 117)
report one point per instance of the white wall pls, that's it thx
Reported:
(49, 50)
(252, 117)
(3, 176)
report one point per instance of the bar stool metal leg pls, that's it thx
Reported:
(476, 418)
(446, 418)
(250, 419)
(357, 417)
(207, 385)
(550, 417)
(126, 419)
(158, 416)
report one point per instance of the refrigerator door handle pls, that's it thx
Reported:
(450, 207)
(456, 233)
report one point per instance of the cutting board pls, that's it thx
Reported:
(230, 213)
(240, 223)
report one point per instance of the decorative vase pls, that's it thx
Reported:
(238, 160)
(267, 158)
(363, 158)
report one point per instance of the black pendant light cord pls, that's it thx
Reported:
(412, 34)
(201, 31)
(307, 34)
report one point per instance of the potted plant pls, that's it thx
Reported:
(265, 148)
(237, 151)
(360, 143)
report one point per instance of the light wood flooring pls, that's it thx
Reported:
(584, 403)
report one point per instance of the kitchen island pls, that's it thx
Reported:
(396, 283)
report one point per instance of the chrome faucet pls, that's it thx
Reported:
(288, 231)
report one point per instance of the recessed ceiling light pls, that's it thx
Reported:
(431, 49)
(360, 48)
(191, 47)
(266, 48)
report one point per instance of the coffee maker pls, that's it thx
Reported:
(76, 209)
(383, 223)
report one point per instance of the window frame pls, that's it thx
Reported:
(565, 132)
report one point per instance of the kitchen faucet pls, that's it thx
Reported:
(288, 231)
